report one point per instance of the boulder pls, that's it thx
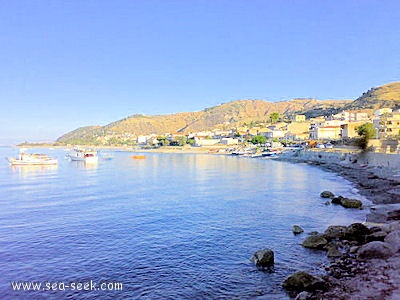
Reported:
(376, 236)
(263, 258)
(374, 249)
(337, 200)
(327, 194)
(316, 241)
(335, 232)
(302, 281)
(297, 229)
(393, 239)
(356, 232)
(350, 203)
(333, 251)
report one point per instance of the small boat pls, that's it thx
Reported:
(32, 159)
(139, 156)
(270, 153)
(85, 155)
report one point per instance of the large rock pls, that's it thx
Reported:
(337, 200)
(317, 241)
(335, 232)
(263, 258)
(350, 203)
(327, 194)
(297, 229)
(374, 249)
(356, 232)
(302, 281)
(393, 239)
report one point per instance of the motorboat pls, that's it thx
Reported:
(32, 159)
(86, 155)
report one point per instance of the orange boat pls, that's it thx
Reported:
(139, 156)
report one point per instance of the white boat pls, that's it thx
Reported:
(83, 155)
(32, 159)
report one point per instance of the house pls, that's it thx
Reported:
(349, 129)
(299, 118)
(388, 124)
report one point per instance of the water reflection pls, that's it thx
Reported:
(33, 170)
(85, 164)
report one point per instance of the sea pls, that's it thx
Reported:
(170, 226)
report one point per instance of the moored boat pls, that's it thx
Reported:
(32, 159)
(85, 155)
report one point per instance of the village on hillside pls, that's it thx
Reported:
(318, 132)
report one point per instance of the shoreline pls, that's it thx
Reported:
(347, 277)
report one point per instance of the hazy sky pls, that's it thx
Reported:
(66, 64)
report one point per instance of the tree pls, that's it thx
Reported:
(259, 139)
(366, 132)
(274, 117)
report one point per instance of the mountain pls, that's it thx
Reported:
(232, 114)
(226, 115)
(387, 95)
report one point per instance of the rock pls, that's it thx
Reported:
(303, 296)
(393, 239)
(374, 249)
(356, 232)
(302, 281)
(350, 203)
(333, 251)
(263, 258)
(317, 241)
(313, 233)
(383, 213)
(376, 236)
(337, 200)
(335, 232)
(327, 194)
(354, 249)
(297, 229)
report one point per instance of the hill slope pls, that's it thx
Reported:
(224, 116)
(236, 113)
(387, 95)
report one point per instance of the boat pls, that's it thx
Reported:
(32, 159)
(85, 155)
(270, 153)
(139, 156)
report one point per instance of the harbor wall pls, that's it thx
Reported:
(373, 159)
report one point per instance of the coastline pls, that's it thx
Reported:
(347, 277)
(372, 279)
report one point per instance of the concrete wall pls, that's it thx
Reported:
(391, 161)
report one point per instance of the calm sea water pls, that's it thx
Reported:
(171, 226)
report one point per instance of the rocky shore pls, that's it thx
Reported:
(368, 263)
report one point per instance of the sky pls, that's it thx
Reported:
(67, 64)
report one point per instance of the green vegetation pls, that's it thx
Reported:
(366, 132)
(274, 117)
(259, 139)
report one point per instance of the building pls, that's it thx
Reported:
(351, 116)
(388, 124)
(299, 118)
(349, 129)
(382, 111)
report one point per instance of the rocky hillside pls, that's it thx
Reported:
(387, 95)
(236, 113)
(225, 115)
